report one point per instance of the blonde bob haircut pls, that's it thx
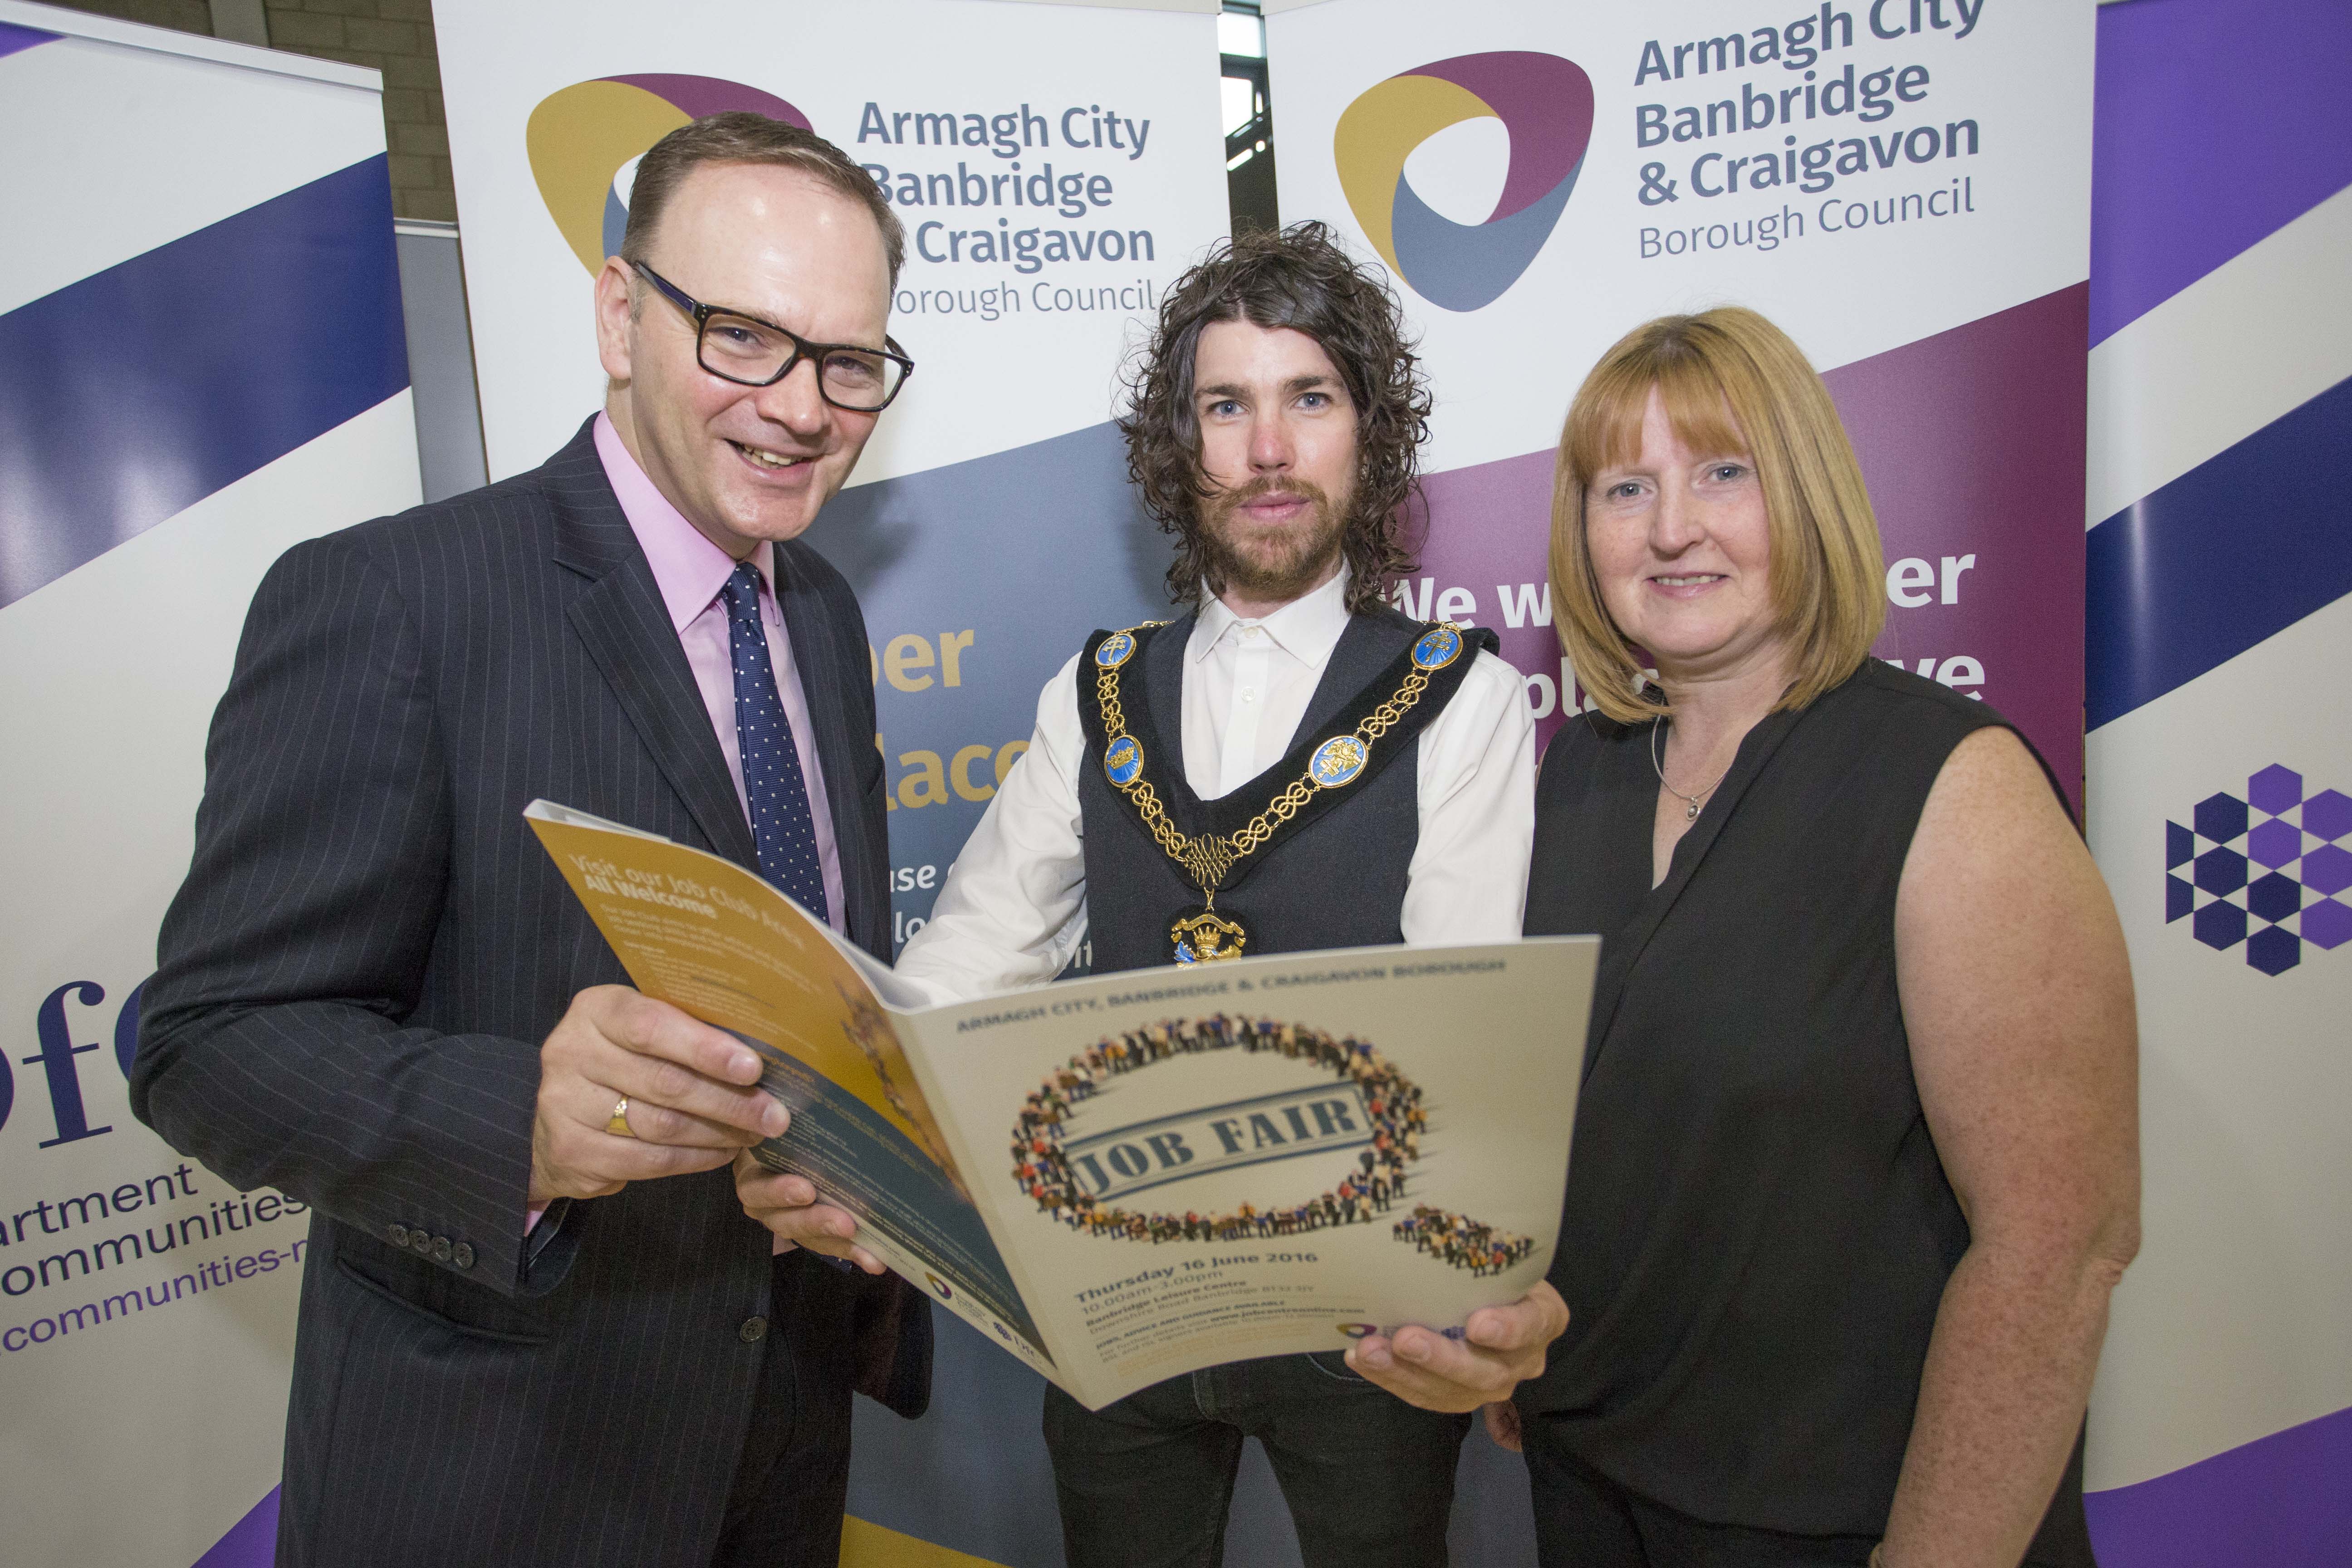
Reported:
(1732, 384)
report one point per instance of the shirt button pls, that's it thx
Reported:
(1247, 694)
(462, 1255)
(440, 1250)
(396, 1234)
(753, 1330)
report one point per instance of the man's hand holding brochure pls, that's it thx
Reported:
(1128, 1177)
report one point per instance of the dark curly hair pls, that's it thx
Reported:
(1302, 278)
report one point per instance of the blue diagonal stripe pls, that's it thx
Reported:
(137, 392)
(2238, 548)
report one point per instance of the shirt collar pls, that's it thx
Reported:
(687, 568)
(1308, 628)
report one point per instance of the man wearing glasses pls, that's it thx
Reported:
(536, 1324)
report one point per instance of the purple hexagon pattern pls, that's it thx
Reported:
(2297, 893)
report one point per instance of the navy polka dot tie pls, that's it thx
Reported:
(773, 784)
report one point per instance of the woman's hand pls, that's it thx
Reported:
(1503, 1423)
(1501, 1347)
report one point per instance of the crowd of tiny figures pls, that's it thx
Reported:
(1463, 1243)
(1391, 1101)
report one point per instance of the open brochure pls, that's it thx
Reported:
(1125, 1178)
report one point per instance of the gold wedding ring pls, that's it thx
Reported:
(617, 1124)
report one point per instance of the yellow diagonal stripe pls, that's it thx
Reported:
(577, 139)
(869, 1546)
(1378, 132)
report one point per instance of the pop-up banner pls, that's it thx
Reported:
(1902, 186)
(201, 363)
(1056, 167)
(2221, 751)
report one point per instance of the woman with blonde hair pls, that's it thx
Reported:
(1856, 1158)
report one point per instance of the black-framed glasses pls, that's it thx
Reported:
(749, 351)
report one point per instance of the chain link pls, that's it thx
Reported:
(1211, 856)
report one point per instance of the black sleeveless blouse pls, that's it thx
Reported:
(1756, 1230)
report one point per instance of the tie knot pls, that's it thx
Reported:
(743, 591)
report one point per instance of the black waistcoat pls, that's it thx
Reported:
(1758, 1231)
(1337, 881)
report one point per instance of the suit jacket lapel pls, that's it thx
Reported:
(1617, 963)
(625, 628)
(808, 622)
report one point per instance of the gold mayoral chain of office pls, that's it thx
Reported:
(1204, 934)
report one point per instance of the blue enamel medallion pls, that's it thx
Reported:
(1123, 760)
(1438, 648)
(1338, 760)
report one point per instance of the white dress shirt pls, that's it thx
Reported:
(1013, 910)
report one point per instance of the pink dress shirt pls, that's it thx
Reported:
(690, 571)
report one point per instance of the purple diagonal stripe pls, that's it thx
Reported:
(2280, 1500)
(700, 95)
(1546, 103)
(2219, 121)
(251, 1541)
(14, 38)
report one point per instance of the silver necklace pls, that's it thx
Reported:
(1690, 802)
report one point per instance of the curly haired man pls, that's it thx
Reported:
(1273, 426)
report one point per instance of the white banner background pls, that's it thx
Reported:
(981, 385)
(142, 1398)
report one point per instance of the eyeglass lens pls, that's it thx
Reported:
(751, 352)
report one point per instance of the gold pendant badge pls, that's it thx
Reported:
(1201, 935)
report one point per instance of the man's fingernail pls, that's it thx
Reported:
(1412, 1350)
(1373, 1356)
(775, 1118)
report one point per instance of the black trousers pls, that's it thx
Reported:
(1584, 1520)
(793, 1478)
(1147, 1482)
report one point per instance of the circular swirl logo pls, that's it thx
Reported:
(1545, 103)
(580, 138)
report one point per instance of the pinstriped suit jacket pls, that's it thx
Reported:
(353, 984)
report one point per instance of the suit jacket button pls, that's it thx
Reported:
(397, 1235)
(440, 1250)
(462, 1256)
(420, 1244)
(753, 1330)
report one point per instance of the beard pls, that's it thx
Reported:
(1280, 565)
